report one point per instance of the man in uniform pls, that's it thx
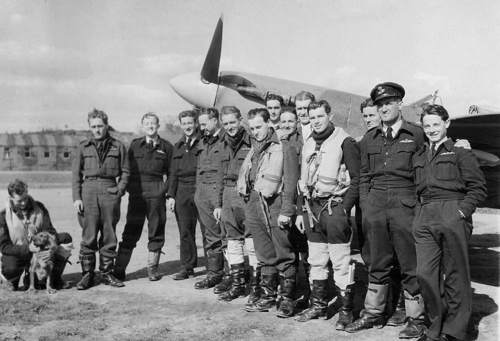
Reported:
(22, 218)
(205, 196)
(387, 197)
(268, 181)
(396, 308)
(450, 186)
(181, 189)
(99, 162)
(234, 148)
(329, 181)
(149, 159)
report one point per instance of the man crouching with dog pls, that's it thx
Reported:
(20, 222)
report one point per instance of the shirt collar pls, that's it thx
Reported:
(395, 127)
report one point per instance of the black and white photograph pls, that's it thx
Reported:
(249, 170)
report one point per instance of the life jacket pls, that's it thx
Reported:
(322, 172)
(21, 231)
(268, 181)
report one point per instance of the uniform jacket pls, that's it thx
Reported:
(451, 171)
(184, 163)
(388, 164)
(86, 163)
(230, 162)
(208, 159)
(149, 164)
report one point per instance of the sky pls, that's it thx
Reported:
(60, 59)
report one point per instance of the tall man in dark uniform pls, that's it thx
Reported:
(181, 189)
(206, 198)
(100, 177)
(450, 185)
(387, 197)
(149, 158)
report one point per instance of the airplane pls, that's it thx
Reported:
(215, 88)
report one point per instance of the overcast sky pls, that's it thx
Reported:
(59, 59)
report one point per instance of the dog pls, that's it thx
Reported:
(42, 261)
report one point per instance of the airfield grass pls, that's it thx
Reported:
(174, 310)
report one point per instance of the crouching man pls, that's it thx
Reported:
(22, 218)
(329, 181)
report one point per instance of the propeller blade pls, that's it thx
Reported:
(210, 70)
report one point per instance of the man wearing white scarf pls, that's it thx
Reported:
(22, 218)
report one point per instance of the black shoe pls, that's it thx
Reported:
(183, 274)
(319, 302)
(314, 312)
(107, 278)
(365, 322)
(345, 312)
(267, 299)
(264, 304)
(398, 318)
(208, 282)
(86, 282)
(413, 329)
(286, 308)
(224, 285)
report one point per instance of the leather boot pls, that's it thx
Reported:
(287, 305)
(398, 317)
(374, 313)
(153, 262)
(57, 272)
(225, 284)
(121, 262)
(255, 289)
(183, 274)
(106, 268)
(303, 301)
(215, 264)
(267, 299)
(87, 263)
(237, 288)
(415, 324)
(345, 312)
(319, 302)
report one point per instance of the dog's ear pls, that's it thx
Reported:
(51, 241)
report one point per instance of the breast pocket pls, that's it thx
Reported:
(160, 161)
(445, 168)
(374, 156)
(112, 162)
(403, 156)
(90, 161)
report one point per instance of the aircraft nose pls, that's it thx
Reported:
(190, 87)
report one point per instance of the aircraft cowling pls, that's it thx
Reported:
(193, 90)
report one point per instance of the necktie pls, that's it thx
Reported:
(433, 149)
(389, 134)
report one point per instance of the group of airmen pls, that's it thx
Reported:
(280, 189)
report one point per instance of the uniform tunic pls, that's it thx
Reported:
(387, 197)
(95, 183)
(447, 182)
(147, 189)
(206, 197)
(181, 187)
